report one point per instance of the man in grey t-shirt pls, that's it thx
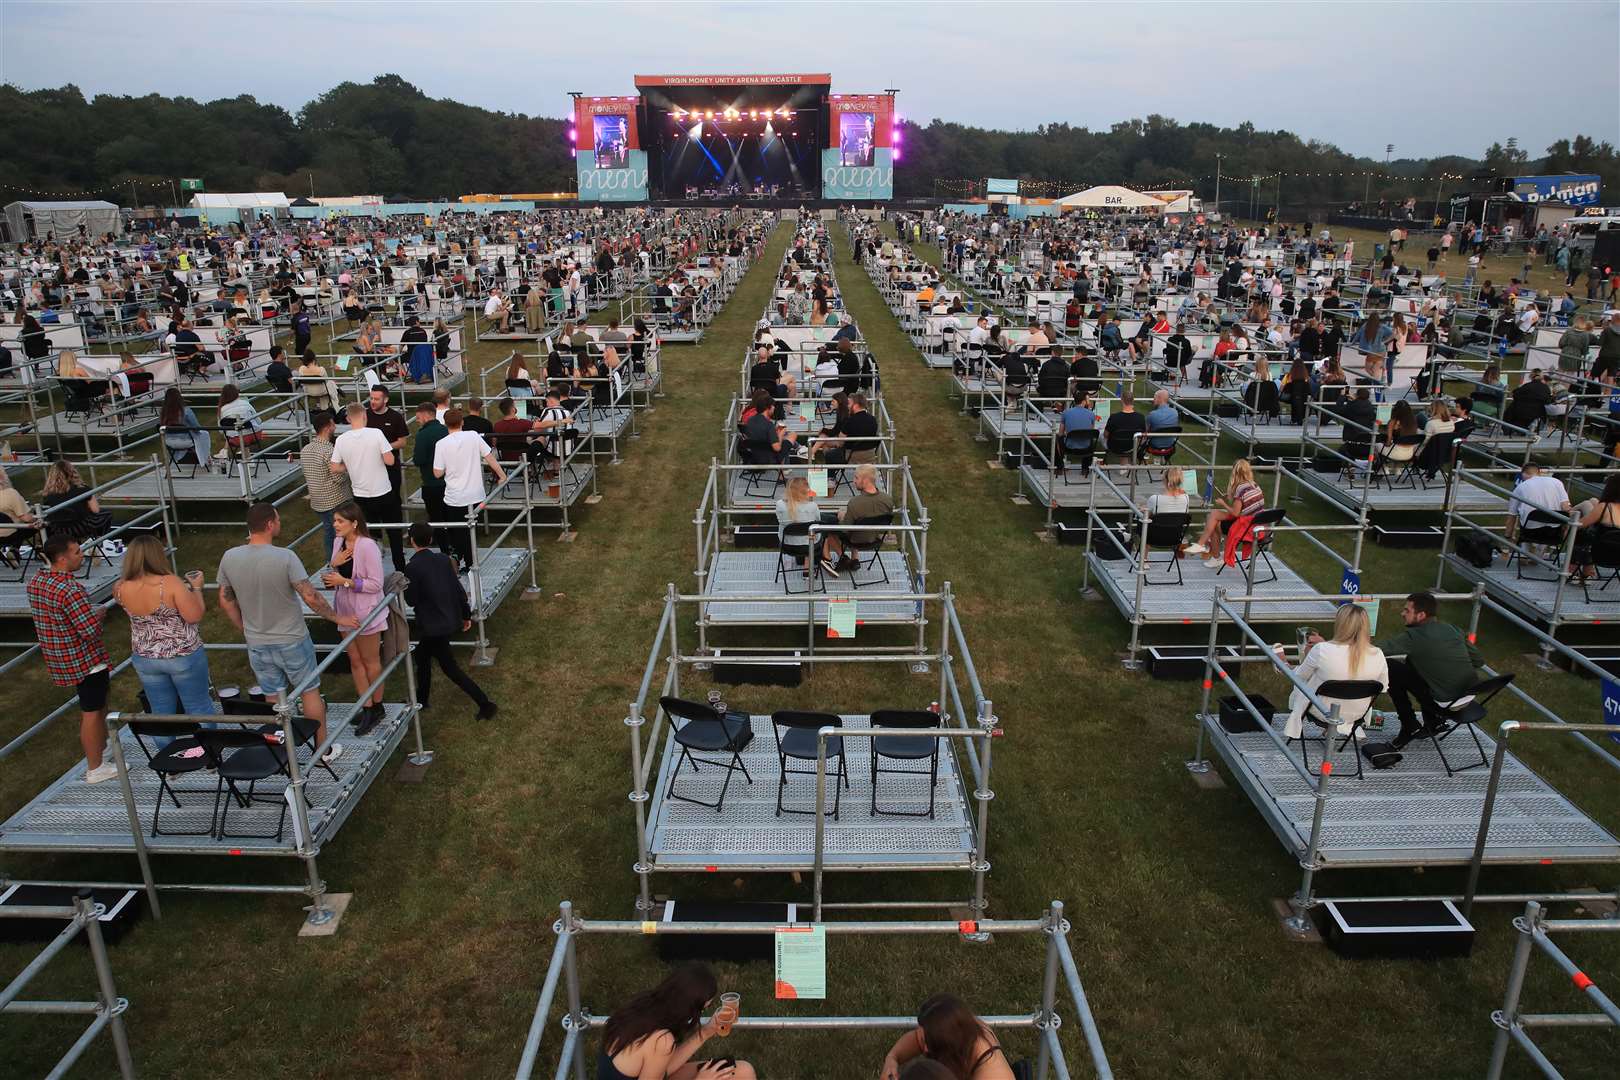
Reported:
(260, 586)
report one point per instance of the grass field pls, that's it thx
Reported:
(435, 970)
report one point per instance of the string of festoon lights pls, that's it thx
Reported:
(1041, 188)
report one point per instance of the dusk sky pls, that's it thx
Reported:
(1424, 76)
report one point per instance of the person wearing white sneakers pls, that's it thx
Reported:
(1243, 498)
(69, 628)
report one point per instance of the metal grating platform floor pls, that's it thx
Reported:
(1167, 602)
(751, 573)
(71, 815)
(271, 476)
(574, 485)
(1070, 491)
(502, 570)
(748, 835)
(98, 582)
(1535, 598)
(1278, 434)
(127, 426)
(1417, 499)
(1012, 427)
(604, 423)
(1412, 814)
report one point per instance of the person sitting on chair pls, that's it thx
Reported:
(1350, 655)
(762, 431)
(1535, 491)
(1172, 499)
(798, 506)
(1599, 516)
(1119, 433)
(1077, 432)
(867, 502)
(1243, 498)
(234, 407)
(1162, 417)
(1430, 660)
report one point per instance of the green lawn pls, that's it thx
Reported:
(436, 968)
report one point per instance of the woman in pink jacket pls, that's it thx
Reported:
(355, 577)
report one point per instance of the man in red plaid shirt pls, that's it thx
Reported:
(69, 629)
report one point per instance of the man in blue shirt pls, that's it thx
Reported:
(1078, 434)
(1162, 417)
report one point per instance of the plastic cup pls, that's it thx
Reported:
(730, 1009)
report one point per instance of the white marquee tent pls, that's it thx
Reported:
(36, 220)
(1111, 197)
(245, 200)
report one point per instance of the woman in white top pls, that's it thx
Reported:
(1350, 655)
(1173, 499)
(1439, 421)
(796, 507)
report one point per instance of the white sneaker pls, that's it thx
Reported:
(1214, 563)
(332, 753)
(1196, 548)
(107, 770)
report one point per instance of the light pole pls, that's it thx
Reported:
(1217, 184)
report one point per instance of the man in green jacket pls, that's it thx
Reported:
(428, 433)
(1431, 661)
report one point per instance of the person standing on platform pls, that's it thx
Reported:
(364, 454)
(300, 325)
(391, 422)
(327, 491)
(459, 460)
(436, 596)
(429, 432)
(260, 586)
(69, 630)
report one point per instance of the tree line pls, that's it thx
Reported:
(388, 138)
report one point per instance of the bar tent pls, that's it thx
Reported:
(30, 220)
(1111, 197)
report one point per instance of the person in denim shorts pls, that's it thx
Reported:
(260, 586)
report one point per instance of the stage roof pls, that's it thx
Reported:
(822, 79)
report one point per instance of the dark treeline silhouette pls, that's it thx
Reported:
(388, 138)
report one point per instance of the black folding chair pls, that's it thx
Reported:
(238, 757)
(700, 728)
(1605, 556)
(866, 538)
(1164, 532)
(796, 738)
(304, 729)
(1344, 692)
(1261, 533)
(766, 467)
(795, 555)
(1161, 454)
(1468, 712)
(1397, 465)
(905, 748)
(12, 547)
(181, 756)
(1540, 527)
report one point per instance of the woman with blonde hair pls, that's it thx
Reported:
(1350, 655)
(164, 612)
(14, 514)
(798, 506)
(355, 576)
(82, 519)
(1243, 498)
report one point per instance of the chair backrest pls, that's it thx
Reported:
(217, 741)
(907, 718)
(755, 453)
(1261, 528)
(144, 730)
(796, 536)
(1348, 691)
(797, 718)
(869, 532)
(1543, 523)
(1606, 549)
(1484, 691)
(1167, 530)
(681, 709)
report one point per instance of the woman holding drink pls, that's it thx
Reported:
(654, 1035)
(164, 611)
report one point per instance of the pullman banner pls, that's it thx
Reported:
(858, 163)
(610, 165)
